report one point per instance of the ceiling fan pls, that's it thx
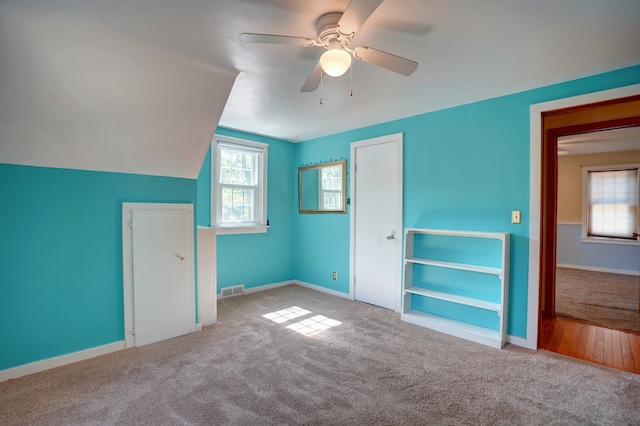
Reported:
(335, 31)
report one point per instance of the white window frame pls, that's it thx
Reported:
(586, 238)
(259, 225)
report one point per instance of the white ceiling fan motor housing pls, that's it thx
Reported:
(328, 33)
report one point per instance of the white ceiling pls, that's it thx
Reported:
(140, 85)
(625, 139)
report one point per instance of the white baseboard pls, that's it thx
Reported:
(518, 341)
(267, 287)
(46, 364)
(261, 288)
(597, 269)
(322, 289)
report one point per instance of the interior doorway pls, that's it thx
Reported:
(597, 275)
(577, 120)
(621, 113)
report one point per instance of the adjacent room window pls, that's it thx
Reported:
(239, 185)
(611, 203)
(330, 190)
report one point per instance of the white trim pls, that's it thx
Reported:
(536, 111)
(517, 341)
(127, 262)
(600, 240)
(614, 167)
(297, 282)
(267, 287)
(397, 138)
(610, 241)
(239, 141)
(263, 186)
(598, 269)
(224, 230)
(323, 289)
(258, 288)
(59, 361)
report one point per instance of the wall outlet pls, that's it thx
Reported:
(335, 275)
(515, 216)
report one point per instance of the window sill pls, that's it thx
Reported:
(223, 230)
(612, 241)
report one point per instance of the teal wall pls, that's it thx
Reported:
(256, 259)
(61, 256)
(61, 240)
(464, 168)
(321, 241)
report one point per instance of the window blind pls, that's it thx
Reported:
(613, 203)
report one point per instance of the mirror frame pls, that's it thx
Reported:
(343, 168)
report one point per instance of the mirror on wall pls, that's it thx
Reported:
(322, 188)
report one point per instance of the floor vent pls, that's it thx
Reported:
(237, 290)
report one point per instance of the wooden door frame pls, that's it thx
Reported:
(398, 139)
(537, 174)
(550, 202)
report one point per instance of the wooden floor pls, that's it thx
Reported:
(612, 348)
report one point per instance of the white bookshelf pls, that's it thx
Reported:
(459, 328)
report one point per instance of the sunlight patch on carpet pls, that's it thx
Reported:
(306, 327)
(314, 325)
(285, 315)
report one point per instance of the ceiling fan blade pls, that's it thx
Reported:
(313, 81)
(355, 14)
(385, 60)
(277, 39)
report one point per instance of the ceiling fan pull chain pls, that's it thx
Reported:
(350, 80)
(321, 87)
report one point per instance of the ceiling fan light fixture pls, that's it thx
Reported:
(335, 62)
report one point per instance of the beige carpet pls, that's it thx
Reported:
(366, 368)
(600, 298)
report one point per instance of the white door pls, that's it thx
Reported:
(376, 215)
(158, 267)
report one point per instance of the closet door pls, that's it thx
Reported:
(160, 267)
(376, 213)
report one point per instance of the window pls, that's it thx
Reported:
(610, 210)
(239, 185)
(330, 188)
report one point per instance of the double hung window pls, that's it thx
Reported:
(239, 175)
(611, 203)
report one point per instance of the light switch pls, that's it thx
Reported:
(515, 216)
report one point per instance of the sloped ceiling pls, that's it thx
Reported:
(139, 86)
(87, 86)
